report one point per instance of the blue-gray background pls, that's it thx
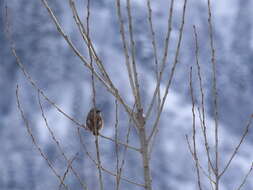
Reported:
(66, 81)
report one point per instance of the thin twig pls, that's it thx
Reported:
(124, 42)
(117, 145)
(67, 170)
(150, 20)
(125, 150)
(199, 75)
(237, 147)
(207, 148)
(201, 167)
(58, 143)
(171, 73)
(194, 132)
(70, 43)
(210, 168)
(246, 177)
(86, 37)
(89, 44)
(121, 143)
(124, 153)
(29, 131)
(104, 169)
(200, 119)
(33, 83)
(203, 122)
(152, 143)
(167, 40)
(215, 96)
(26, 74)
(132, 43)
(99, 164)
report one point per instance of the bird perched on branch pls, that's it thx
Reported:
(94, 121)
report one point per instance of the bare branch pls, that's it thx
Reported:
(110, 87)
(125, 150)
(203, 122)
(215, 96)
(33, 83)
(194, 132)
(210, 175)
(101, 185)
(87, 40)
(99, 164)
(102, 168)
(117, 145)
(67, 39)
(135, 73)
(150, 20)
(124, 42)
(29, 131)
(67, 170)
(28, 77)
(199, 75)
(246, 177)
(152, 143)
(58, 144)
(167, 40)
(121, 143)
(171, 73)
(237, 147)
(201, 168)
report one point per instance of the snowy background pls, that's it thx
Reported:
(66, 81)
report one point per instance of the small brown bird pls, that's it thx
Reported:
(94, 121)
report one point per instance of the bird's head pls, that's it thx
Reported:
(95, 110)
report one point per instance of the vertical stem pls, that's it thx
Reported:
(94, 96)
(99, 165)
(194, 132)
(217, 180)
(117, 146)
(132, 47)
(215, 96)
(144, 151)
(154, 51)
(124, 42)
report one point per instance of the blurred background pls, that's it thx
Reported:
(63, 78)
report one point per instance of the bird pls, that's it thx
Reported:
(94, 121)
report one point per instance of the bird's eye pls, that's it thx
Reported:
(98, 111)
